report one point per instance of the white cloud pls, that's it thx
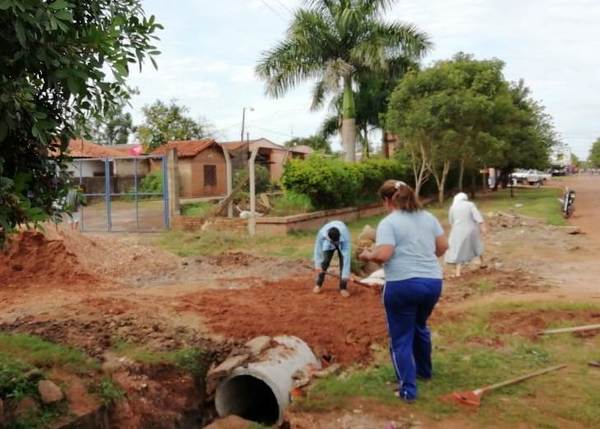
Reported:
(210, 49)
(244, 74)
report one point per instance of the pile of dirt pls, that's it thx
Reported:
(530, 323)
(122, 258)
(510, 220)
(479, 282)
(235, 265)
(32, 258)
(336, 328)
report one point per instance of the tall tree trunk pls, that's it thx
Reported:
(461, 175)
(349, 122)
(385, 147)
(440, 180)
(420, 166)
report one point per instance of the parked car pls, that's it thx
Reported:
(532, 177)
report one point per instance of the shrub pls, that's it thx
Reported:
(262, 178)
(291, 203)
(152, 183)
(333, 183)
(327, 182)
(375, 171)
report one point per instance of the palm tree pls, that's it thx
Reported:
(331, 41)
(371, 99)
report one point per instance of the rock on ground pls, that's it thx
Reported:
(230, 422)
(50, 392)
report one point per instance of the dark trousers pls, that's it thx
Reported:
(408, 304)
(327, 257)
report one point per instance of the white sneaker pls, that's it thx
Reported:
(344, 293)
(316, 289)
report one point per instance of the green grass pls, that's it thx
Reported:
(295, 245)
(21, 355)
(196, 209)
(108, 391)
(34, 351)
(462, 363)
(290, 203)
(189, 359)
(41, 420)
(540, 203)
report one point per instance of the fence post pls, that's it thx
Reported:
(173, 182)
(107, 194)
(229, 173)
(252, 177)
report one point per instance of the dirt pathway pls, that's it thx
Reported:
(587, 204)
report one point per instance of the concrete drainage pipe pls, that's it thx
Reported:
(260, 391)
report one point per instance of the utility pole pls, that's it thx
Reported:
(251, 109)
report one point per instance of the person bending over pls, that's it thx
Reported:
(333, 237)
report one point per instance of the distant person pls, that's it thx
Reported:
(467, 225)
(333, 237)
(409, 242)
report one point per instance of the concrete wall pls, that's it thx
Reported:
(278, 158)
(283, 225)
(126, 167)
(83, 168)
(191, 174)
(185, 177)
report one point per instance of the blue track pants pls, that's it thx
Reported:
(408, 304)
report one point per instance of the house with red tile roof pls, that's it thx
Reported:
(201, 166)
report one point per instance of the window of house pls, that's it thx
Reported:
(210, 175)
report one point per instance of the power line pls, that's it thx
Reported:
(275, 11)
(283, 5)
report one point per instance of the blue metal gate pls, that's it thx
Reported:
(123, 194)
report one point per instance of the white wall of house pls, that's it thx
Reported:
(84, 168)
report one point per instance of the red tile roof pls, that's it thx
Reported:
(81, 148)
(185, 148)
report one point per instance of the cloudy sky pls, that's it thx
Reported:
(209, 50)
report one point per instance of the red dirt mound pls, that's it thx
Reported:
(338, 329)
(33, 259)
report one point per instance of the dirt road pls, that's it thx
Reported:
(587, 204)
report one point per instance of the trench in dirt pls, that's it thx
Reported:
(63, 287)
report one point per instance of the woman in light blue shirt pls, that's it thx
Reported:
(409, 242)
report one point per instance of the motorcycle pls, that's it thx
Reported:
(568, 203)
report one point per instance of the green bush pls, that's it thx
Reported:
(152, 183)
(261, 175)
(333, 183)
(375, 171)
(291, 203)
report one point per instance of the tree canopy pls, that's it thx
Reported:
(464, 112)
(594, 157)
(317, 142)
(114, 127)
(166, 122)
(332, 42)
(59, 60)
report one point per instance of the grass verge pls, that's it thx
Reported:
(463, 360)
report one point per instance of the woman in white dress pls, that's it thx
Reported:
(467, 225)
